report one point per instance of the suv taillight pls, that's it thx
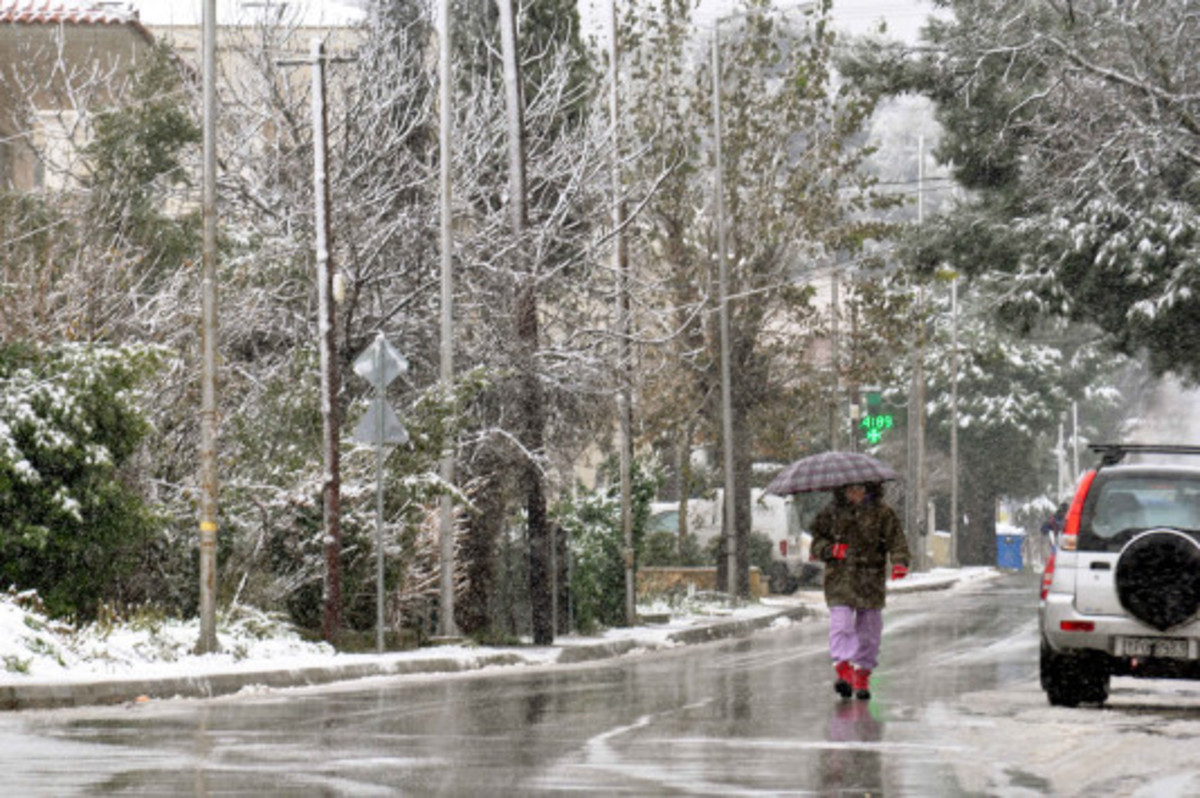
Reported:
(1070, 531)
(1048, 575)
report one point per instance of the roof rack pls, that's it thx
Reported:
(1113, 453)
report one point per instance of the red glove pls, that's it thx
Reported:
(899, 571)
(838, 552)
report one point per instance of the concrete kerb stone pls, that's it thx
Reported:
(570, 655)
(122, 691)
(924, 586)
(700, 634)
(739, 628)
(118, 691)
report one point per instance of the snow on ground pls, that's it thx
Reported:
(1009, 741)
(36, 649)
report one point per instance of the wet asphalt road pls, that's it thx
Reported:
(755, 716)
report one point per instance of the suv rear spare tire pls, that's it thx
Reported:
(1158, 578)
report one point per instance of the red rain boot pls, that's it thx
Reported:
(862, 683)
(845, 673)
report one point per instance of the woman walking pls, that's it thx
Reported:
(855, 535)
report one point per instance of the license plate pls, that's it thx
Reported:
(1172, 647)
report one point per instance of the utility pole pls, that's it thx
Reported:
(1075, 440)
(624, 331)
(331, 483)
(726, 380)
(207, 644)
(855, 388)
(835, 415)
(916, 440)
(446, 623)
(330, 426)
(727, 438)
(954, 422)
(915, 503)
(1060, 456)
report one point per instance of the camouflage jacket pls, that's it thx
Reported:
(872, 533)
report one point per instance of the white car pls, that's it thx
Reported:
(1121, 592)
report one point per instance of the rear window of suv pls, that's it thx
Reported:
(1119, 506)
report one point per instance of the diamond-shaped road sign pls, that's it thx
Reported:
(380, 363)
(379, 431)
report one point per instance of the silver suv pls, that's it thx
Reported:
(1121, 593)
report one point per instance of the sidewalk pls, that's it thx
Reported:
(200, 679)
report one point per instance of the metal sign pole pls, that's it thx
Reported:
(379, 503)
(379, 364)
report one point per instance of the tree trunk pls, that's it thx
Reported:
(741, 499)
(977, 537)
(562, 583)
(540, 584)
(683, 478)
(741, 509)
(479, 555)
(532, 414)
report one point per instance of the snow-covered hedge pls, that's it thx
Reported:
(70, 525)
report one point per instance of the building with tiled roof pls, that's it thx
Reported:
(62, 59)
(59, 61)
(41, 12)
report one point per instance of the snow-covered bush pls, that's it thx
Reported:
(71, 525)
(596, 542)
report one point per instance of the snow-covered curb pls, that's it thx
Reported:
(103, 660)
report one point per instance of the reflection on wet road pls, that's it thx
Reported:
(852, 762)
(756, 716)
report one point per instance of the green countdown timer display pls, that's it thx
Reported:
(874, 424)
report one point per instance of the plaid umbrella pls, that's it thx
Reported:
(830, 470)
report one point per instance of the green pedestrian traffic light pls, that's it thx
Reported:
(875, 421)
(874, 425)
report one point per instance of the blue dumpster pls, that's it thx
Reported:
(1008, 550)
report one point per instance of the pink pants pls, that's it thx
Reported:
(854, 635)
